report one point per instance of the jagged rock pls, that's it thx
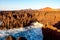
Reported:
(50, 34)
(57, 25)
(10, 38)
(17, 19)
(21, 38)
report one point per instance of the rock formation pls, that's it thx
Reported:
(10, 38)
(21, 38)
(22, 18)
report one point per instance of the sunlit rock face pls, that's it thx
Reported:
(1, 22)
(32, 32)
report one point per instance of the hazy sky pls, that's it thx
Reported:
(23, 4)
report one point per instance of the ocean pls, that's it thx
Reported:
(32, 32)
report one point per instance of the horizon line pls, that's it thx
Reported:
(26, 9)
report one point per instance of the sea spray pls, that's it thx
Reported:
(32, 32)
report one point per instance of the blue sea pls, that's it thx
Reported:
(29, 34)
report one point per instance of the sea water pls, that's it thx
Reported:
(33, 32)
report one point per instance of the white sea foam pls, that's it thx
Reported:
(37, 25)
(16, 30)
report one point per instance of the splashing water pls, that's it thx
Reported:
(32, 32)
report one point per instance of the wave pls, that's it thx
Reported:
(34, 30)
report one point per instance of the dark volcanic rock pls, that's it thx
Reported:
(50, 34)
(10, 38)
(22, 38)
(57, 25)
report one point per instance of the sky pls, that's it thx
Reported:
(27, 4)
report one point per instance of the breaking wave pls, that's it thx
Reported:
(32, 32)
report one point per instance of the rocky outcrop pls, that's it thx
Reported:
(57, 25)
(50, 34)
(21, 38)
(15, 19)
(22, 18)
(10, 38)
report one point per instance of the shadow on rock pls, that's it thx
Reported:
(57, 25)
(10, 38)
(21, 38)
(50, 34)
